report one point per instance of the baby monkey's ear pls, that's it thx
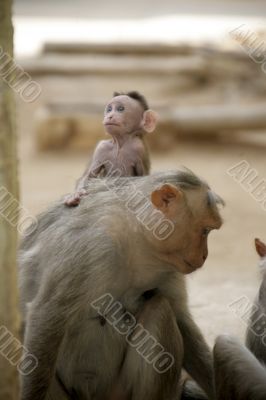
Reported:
(149, 121)
(260, 247)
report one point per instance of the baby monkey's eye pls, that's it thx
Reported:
(120, 108)
(108, 109)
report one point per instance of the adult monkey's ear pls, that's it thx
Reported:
(260, 247)
(149, 120)
(166, 198)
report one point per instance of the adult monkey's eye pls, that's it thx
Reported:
(120, 108)
(206, 231)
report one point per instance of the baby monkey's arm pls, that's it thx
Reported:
(92, 171)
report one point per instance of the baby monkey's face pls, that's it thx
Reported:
(123, 115)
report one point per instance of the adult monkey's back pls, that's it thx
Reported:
(131, 239)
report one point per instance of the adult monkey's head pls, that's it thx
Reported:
(192, 208)
(128, 113)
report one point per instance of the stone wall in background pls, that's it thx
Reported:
(201, 91)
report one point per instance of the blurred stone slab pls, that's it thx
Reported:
(62, 64)
(79, 125)
(196, 90)
(217, 118)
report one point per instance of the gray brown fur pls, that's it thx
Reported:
(76, 255)
(256, 332)
(238, 374)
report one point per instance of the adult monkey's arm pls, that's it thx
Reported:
(198, 360)
(44, 334)
(46, 324)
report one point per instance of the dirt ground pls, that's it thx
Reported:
(231, 269)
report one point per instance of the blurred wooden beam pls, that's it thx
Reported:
(144, 49)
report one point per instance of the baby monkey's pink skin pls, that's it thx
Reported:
(126, 119)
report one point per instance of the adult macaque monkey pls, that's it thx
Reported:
(238, 374)
(256, 332)
(127, 118)
(73, 263)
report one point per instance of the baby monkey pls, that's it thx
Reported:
(127, 118)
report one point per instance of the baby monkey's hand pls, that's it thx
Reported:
(73, 200)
